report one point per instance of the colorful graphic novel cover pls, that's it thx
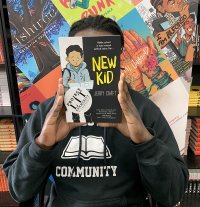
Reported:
(173, 24)
(73, 10)
(35, 27)
(147, 68)
(91, 71)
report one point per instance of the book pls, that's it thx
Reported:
(6, 123)
(195, 137)
(195, 133)
(3, 181)
(2, 59)
(91, 72)
(196, 128)
(193, 187)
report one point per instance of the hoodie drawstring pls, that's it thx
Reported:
(104, 150)
(79, 152)
(80, 148)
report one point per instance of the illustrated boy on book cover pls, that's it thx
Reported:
(90, 71)
(75, 71)
(74, 74)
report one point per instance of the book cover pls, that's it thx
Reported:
(35, 29)
(196, 128)
(194, 147)
(195, 135)
(73, 10)
(147, 68)
(2, 60)
(91, 71)
(3, 181)
(196, 143)
(174, 30)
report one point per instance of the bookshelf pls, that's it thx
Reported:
(14, 110)
(192, 196)
(9, 107)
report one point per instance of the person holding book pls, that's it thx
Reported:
(140, 154)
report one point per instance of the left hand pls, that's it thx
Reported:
(131, 125)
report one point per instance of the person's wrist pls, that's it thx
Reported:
(141, 136)
(43, 143)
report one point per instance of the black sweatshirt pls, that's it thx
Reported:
(116, 173)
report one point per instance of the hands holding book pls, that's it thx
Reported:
(131, 125)
(55, 127)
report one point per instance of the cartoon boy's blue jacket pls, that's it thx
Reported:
(79, 74)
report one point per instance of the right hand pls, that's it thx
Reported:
(55, 127)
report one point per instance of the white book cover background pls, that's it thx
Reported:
(173, 102)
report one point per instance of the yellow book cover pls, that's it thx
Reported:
(75, 10)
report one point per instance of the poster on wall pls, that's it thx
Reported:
(173, 25)
(35, 28)
(152, 68)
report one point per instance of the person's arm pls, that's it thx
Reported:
(163, 171)
(27, 168)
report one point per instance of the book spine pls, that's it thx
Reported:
(3, 181)
(193, 187)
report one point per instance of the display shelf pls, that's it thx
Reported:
(10, 70)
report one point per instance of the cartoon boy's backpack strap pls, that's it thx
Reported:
(68, 72)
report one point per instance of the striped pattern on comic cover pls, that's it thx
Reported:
(194, 140)
(3, 181)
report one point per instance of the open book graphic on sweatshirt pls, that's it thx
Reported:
(92, 147)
